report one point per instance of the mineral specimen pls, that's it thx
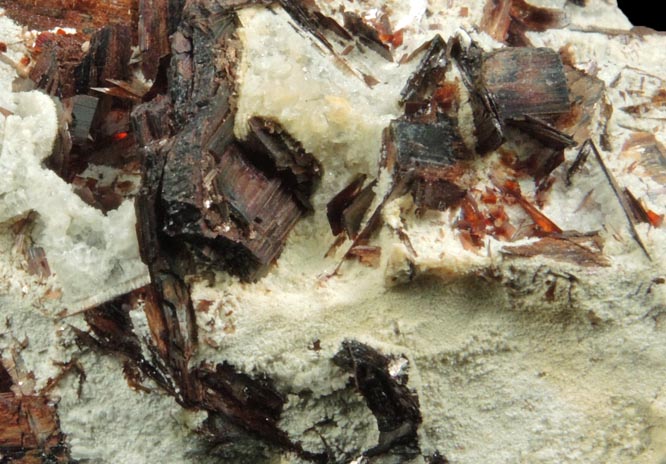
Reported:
(490, 171)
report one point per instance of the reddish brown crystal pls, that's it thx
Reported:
(640, 212)
(108, 58)
(428, 73)
(55, 58)
(432, 190)
(526, 81)
(651, 154)
(154, 30)
(273, 150)
(542, 224)
(336, 207)
(472, 224)
(29, 425)
(393, 404)
(86, 16)
(367, 34)
(266, 211)
(367, 255)
(496, 19)
(547, 134)
(509, 20)
(560, 249)
(585, 92)
(413, 144)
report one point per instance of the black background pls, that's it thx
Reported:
(645, 13)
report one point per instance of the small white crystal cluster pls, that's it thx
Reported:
(93, 256)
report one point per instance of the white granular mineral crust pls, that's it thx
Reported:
(92, 256)
(527, 360)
